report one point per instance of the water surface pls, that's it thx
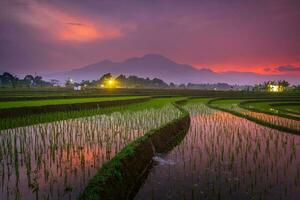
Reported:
(56, 160)
(226, 157)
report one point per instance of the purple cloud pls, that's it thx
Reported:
(288, 68)
(232, 35)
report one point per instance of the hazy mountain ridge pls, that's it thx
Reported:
(158, 66)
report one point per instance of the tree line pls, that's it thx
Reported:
(8, 80)
(266, 86)
(121, 81)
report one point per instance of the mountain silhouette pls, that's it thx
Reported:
(159, 66)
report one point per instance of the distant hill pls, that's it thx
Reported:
(158, 66)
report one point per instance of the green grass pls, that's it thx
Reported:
(227, 103)
(198, 100)
(287, 109)
(267, 106)
(55, 116)
(17, 104)
(292, 108)
(233, 106)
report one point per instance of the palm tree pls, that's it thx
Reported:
(283, 84)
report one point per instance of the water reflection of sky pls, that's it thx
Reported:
(56, 160)
(226, 157)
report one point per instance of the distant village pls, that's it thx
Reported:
(8, 80)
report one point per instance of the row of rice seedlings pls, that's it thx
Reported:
(273, 119)
(7, 123)
(55, 160)
(227, 157)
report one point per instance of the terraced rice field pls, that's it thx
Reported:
(56, 160)
(7, 123)
(230, 151)
(289, 109)
(16, 104)
(233, 105)
(226, 157)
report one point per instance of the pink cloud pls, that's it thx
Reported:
(62, 25)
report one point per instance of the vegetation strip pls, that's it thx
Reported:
(118, 178)
(293, 108)
(246, 105)
(258, 121)
(7, 123)
(23, 111)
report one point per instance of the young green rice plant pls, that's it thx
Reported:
(7, 123)
(227, 157)
(273, 119)
(56, 160)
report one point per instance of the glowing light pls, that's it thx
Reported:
(273, 88)
(110, 83)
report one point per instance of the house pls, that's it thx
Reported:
(77, 88)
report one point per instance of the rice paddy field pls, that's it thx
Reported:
(226, 157)
(32, 103)
(235, 147)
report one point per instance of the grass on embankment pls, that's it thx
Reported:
(293, 108)
(56, 116)
(227, 105)
(68, 105)
(120, 177)
(32, 103)
(272, 107)
(198, 100)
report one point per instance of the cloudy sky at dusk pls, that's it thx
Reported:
(251, 35)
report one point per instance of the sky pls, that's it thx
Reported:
(46, 36)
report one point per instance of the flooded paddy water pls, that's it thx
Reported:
(56, 160)
(226, 157)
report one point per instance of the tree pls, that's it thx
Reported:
(37, 81)
(121, 80)
(105, 77)
(69, 83)
(8, 79)
(54, 82)
(182, 85)
(172, 85)
(29, 80)
(283, 84)
(105, 80)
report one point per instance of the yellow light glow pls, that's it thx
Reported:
(274, 88)
(110, 83)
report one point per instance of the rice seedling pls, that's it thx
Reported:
(273, 119)
(7, 123)
(56, 160)
(17, 104)
(226, 157)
